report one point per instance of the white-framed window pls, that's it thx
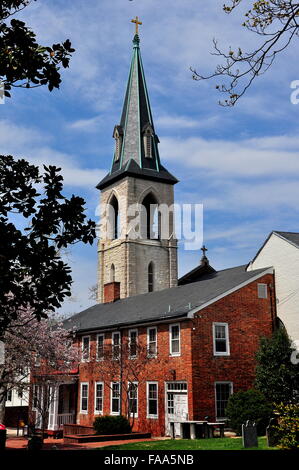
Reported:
(174, 340)
(116, 345)
(84, 386)
(133, 398)
(223, 390)
(9, 395)
(98, 397)
(152, 341)
(100, 346)
(85, 348)
(133, 342)
(262, 291)
(221, 339)
(152, 400)
(115, 398)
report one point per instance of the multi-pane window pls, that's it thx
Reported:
(115, 398)
(223, 390)
(170, 403)
(152, 341)
(221, 339)
(85, 348)
(133, 398)
(100, 347)
(177, 386)
(98, 402)
(174, 340)
(133, 337)
(84, 398)
(152, 399)
(262, 291)
(116, 345)
(9, 395)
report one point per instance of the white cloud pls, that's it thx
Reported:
(28, 143)
(267, 156)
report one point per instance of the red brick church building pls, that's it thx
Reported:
(178, 347)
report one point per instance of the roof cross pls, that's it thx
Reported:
(204, 250)
(137, 23)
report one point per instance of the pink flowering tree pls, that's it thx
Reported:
(36, 353)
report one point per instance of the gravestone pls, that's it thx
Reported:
(271, 433)
(249, 435)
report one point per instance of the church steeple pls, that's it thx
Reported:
(139, 254)
(136, 142)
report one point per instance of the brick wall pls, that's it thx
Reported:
(248, 319)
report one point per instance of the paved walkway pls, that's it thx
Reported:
(15, 443)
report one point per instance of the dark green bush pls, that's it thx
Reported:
(111, 425)
(250, 405)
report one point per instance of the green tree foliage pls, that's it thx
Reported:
(23, 62)
(276, 22)
(36, 222)
(276, 376)
(112, 425)
(249, 405)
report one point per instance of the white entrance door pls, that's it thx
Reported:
(177, 406)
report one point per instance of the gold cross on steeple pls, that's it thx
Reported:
(137, 23)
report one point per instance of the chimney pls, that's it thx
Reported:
(111, 292)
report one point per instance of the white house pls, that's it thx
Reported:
(281, 250)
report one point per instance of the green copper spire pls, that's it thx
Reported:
(136, 149)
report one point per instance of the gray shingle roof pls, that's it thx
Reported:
(161, 305)
(292, 237)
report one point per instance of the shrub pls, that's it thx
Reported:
(288, 427)
(111, 425)
(250, 405)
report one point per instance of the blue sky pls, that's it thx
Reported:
(241, 163)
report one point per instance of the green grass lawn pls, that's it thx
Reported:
(188, 444)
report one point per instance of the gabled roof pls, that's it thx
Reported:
(165, 304)
(197, 273)
(136, 116)
(291, 237)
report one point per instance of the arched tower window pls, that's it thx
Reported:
(150, 218)
(112, 273)
(151, 277)
(118, 136)
(114, 217)
(147, 141)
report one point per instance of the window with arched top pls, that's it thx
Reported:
(118, 136)
(150, 218)
(114, 218)
(147, 141)
(151, 277)
(112, 273)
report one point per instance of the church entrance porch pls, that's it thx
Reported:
(61, 400)
(176, 406)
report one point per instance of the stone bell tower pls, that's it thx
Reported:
(137, 184)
